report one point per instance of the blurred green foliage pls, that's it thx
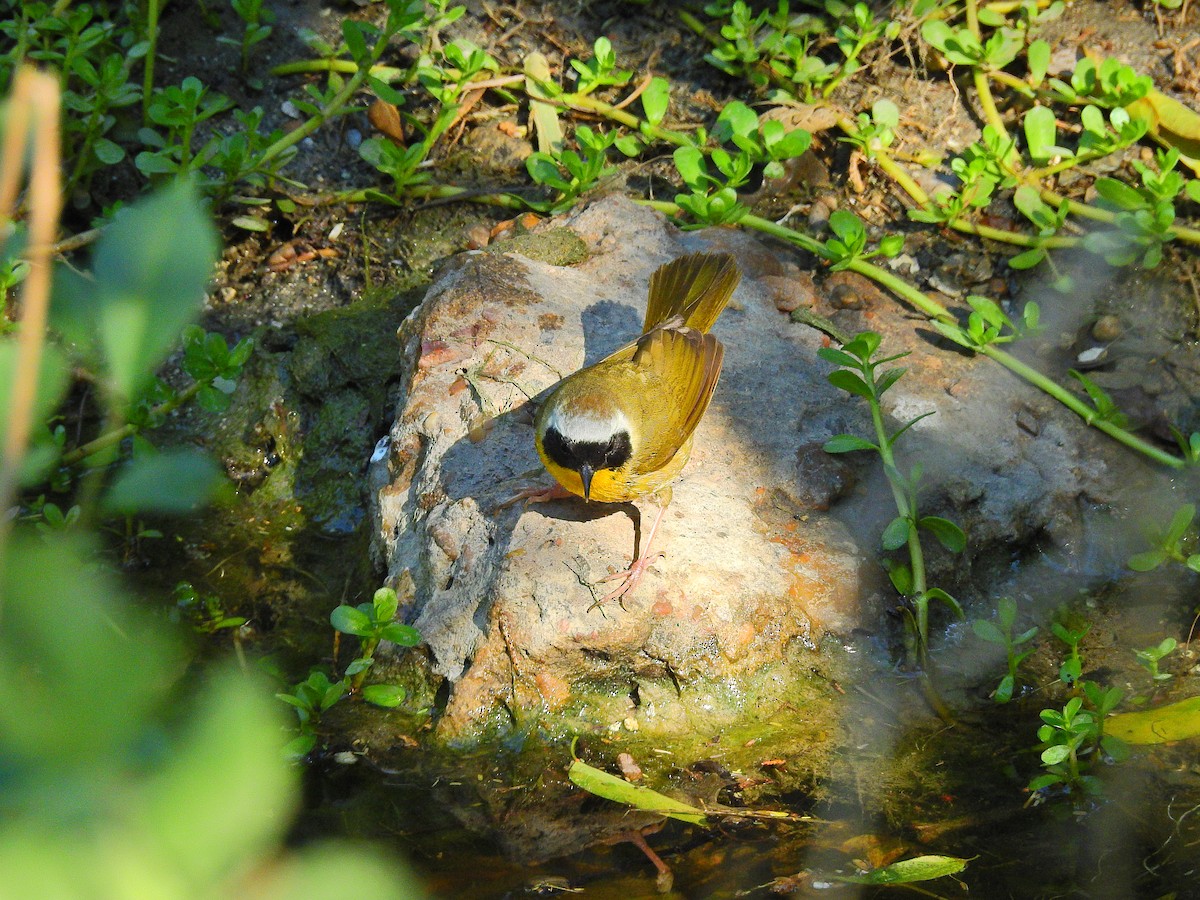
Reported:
(127, 770)
(119, 777)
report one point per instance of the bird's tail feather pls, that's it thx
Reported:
(695, 287)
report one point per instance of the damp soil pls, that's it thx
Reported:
(322, 292)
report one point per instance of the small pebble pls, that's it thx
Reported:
(818, 214)
(1107, 329)
(905, 264)
(478, 237)
(381, 448)
(845, 297)
(629, 767)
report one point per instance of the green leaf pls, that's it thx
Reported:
(847, 443)
(1041, 130)
(1119, 194)
(385, 603)
(851, 383)
(947, 533)
(1052, 756)
(173, 481)
(891, 245)
(404, 635)
(1043, 781)
(989, 632)
(386, 695)
(356, 43)
(896, 534)
(736, 119)
(1004, 690)
(151, 268)
(299, 746)
(610, 787)
(224, 794)
(251, 223)
(349, 620)
(1147, 561)
(908, 871)
(884, 382)
(901, 577)
(1037, 57)
(1179, 524)
(847, 226)
(656, 99)
(945, 597)
(48, 392)
(108, 152)
(689, 162)
(385, 91)
(837, 357)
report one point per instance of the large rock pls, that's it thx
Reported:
(755, 572)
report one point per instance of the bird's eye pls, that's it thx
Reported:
(618, 451)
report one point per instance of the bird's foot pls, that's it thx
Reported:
(537, 495)
(629, 578)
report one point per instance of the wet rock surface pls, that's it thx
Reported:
(769, 547)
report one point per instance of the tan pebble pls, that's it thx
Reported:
(845, 297)
(480, 429)
(478, 237)
(1107, 328)
(629, 767)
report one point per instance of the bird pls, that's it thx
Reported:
(621, 429)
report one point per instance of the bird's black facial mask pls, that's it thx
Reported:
(589, 455)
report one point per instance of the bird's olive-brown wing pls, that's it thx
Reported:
(674, 372)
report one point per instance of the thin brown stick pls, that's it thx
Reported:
(637, 92)
(34, 102)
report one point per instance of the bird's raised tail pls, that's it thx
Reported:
(696, 287)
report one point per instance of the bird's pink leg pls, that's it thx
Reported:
(537, 495)
(631, 576)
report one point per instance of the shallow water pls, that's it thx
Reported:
(903, 784)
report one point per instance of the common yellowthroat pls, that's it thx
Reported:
(622, 428)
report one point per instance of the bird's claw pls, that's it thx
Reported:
(629, 578)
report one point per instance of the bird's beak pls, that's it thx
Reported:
(585, 475)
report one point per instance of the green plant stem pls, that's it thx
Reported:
(979, 77)
(148, 66)
(915, 554)
(936, 312)
(342, 66)
(116, 435)
(1085, 412)
(367, 652)
(434, 194)
(894, 171)
(587, 103)
(1013, 83)
(698, 27)
(294, 137)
